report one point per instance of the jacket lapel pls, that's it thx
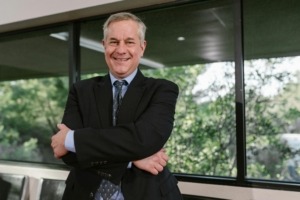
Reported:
(132, 99)
(103, 97)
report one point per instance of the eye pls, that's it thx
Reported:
(113, 42)
(130, 43)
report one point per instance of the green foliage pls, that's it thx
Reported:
(267, 117)
(30, 110)
(204, 136)
(13, 148)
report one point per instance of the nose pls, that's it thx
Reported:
(121, 48)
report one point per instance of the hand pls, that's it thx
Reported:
(153, 164)
(58, 141)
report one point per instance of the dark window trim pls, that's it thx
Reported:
(239, 92)
(74, 53)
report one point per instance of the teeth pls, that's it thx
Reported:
(122, 59)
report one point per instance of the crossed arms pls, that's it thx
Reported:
(140, 140)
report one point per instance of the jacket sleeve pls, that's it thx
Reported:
(131, 140)
(72, 118)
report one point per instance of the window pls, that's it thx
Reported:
(33, 89)
(195, 50)
(272, 74)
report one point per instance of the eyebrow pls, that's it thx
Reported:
(113, 38)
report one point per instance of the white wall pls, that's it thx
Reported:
(236, 193)
(198, 189)
(35, 175)
(20, 10)
(20, 14)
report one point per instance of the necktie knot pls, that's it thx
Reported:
(119, 84)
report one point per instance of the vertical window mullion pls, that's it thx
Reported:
(74, 53)
(240, 94)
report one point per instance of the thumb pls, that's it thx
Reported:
(61, 126)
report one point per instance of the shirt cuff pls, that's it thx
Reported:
(69, 142)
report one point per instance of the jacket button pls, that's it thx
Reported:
(91, 195)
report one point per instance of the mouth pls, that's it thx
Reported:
(121, 59)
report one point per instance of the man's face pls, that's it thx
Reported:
(123, 48)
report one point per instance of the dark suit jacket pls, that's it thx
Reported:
(145, 122)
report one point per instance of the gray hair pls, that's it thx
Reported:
(125, 16)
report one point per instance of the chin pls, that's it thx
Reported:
(120, 74)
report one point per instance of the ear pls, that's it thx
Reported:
(143, 47)
(103, 43)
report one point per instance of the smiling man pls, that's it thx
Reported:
(123, 47)
(115, 126)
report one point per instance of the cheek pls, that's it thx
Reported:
(141, 52)
(138, 53)
(106, 55)
(108, 51)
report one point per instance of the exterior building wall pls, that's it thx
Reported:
(17, 14)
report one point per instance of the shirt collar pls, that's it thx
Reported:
(128, 78)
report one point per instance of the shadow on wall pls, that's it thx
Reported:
(13, 186)
(191, 197)
(52, 189)
(5, 187)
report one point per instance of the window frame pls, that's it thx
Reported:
(240, 179)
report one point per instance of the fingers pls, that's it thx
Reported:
(156, 169)
(154, 163)
(53, 143)
(162, 157)
(159, 167)
(58, 150)
(58, 126)
(61, 126)
(55, 156)
(165, 157)
(160, 161)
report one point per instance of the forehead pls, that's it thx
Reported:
(123, 29)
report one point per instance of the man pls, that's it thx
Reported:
(101, 144)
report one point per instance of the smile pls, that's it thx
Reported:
(121, 59)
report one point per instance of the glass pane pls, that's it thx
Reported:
(272, 77)
(203, 139)
(195, 50)
(33, 89)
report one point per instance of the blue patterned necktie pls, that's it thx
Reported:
(117, 99)
(108, 189)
